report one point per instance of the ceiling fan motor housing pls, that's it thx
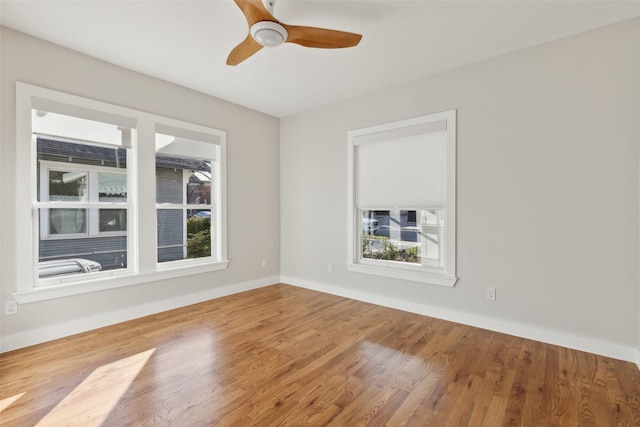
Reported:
(268, 33)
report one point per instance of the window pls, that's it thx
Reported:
(87, 203)
(185, 175)
(402, 199)
(89, 185)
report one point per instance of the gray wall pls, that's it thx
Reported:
(253, 186)
(547, 186)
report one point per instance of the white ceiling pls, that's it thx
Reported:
(187, 42)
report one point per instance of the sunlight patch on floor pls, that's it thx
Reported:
(6, 402)
(91, 402)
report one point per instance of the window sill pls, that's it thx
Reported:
(413, 275)
(44, 293)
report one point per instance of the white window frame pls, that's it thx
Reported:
(93, 226)
(401, 270)
(141, 205)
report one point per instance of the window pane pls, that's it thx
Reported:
(168, 185)
(113, 220)
(68, 186)
(176, 243)
(181, 180)
(199, 235)
(70, 255)
(199, 184)
(409, 236)
(186, 164)
(171, 235)
(67, 221)
(81, 154)
(66, 183)
(112, 187)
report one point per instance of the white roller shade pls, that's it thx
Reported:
(182, 147)
(50, 106)
(182, 133)
(402, 167)
(56, 119)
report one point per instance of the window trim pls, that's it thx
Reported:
(405, 271)
(141, 245)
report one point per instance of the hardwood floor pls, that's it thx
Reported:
(282, 355)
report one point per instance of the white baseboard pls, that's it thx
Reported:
(60, 330)
(563, 339)
(591, 345)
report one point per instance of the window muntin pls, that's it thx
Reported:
(402, 199)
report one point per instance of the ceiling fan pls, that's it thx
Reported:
(265, 30)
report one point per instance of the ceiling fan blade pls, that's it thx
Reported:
(244, 50)
(320, 37)
(254, 11)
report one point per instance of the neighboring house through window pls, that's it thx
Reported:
(96, 228)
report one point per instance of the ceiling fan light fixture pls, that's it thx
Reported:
(266, 31)
(269, 34)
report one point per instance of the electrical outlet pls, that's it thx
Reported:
(264, 262)
(11, 308)
(330, 268)
(491, 294)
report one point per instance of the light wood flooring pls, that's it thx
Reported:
(283, 355)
